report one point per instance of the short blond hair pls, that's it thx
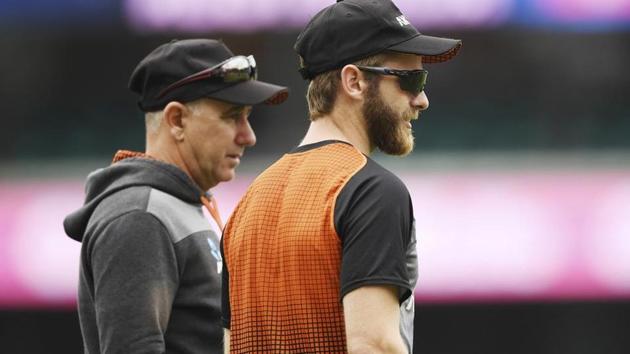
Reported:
(322, 90)
(153, 119)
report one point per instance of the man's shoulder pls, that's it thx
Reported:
(180, 218)
(121, 202)
(330, 157)
(376, 177)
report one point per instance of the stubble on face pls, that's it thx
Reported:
(387, 129)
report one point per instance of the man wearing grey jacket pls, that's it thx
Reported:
(150, 264)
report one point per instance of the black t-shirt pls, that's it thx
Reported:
(372, 216)
(374, 219)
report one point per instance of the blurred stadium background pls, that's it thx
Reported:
(520, 178)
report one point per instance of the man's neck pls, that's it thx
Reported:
(167, 152)
(161, 149)
(339, 125)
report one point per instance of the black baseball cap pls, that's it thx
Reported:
(350, 30)
(178, 59)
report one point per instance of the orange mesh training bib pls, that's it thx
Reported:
(284, 256)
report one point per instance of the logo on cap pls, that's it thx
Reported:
(402, 20)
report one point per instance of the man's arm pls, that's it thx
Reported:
(226, 341)
(374, 219)
(135, 279)
(372, 316)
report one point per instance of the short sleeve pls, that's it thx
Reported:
(373, 218)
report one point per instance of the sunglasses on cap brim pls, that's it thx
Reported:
(235, 69)
(412, 81)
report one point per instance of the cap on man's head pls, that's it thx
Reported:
(169, 63)
(350, 30)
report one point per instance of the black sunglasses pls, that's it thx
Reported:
(235, 69)
(412, 81)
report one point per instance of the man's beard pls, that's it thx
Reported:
(387, 129)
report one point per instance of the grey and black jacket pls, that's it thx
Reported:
(149, 274)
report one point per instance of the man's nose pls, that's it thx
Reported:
(245, 135)
(420, 101)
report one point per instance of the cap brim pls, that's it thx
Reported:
(252, 92)
(433, 49)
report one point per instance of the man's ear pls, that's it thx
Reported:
(353, 82)
(174, 117)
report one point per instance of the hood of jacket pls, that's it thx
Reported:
(126, 173)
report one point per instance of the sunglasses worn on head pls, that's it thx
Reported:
(235, 69)
(412, 81)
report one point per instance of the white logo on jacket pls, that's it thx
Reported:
(214, 250)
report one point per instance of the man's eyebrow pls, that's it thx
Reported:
(236, 110)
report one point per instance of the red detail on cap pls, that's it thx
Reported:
(278, 98)
(440, 58)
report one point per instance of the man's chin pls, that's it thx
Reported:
(402, 147)
(398, 150)
(227, 176)
(230, 176)
(402, 153)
